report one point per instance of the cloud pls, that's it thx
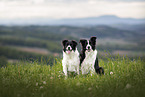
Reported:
(70, 8)
(69, 1)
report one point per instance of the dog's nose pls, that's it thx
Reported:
(68, 48)
(88, 47)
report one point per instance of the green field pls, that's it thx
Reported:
(123, 77)
(35, 70)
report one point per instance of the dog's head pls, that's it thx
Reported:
(69, 46)
(88, 45)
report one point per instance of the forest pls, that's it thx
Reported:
(20, 42)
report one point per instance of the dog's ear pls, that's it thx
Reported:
(82, 41)
(64, 42)
(74, 43)
(93, 40)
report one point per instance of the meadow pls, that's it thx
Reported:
(124, 77)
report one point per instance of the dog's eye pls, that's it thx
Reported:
(86, 43)
(67, 44)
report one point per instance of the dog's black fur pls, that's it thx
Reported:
(92, 43)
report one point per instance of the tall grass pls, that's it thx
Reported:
(123, 78)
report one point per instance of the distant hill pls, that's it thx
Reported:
(51, 32)
(137, 27)
(101, 20)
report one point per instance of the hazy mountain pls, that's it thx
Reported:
(102, 20)
(90, 21)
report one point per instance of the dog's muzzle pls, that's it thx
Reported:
(68, 51)
(88, 48)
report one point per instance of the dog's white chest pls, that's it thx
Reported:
(71, 60)
(89, 61)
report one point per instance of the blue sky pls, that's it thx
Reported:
(13, 9)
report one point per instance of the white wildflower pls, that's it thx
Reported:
(90, 89)
(41, 87)
(44, 82)
(111, 73)
(128, 86)
(96, 86)
(37, 84)
(51, 77)
(59, 76)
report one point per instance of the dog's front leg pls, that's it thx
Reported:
(78, 71)
(83, 70)
(65, 69)
(92, 70)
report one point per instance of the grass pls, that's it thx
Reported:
(123, 78)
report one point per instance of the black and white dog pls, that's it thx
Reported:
(88, 57)
(71, 58)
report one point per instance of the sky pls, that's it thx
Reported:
(58, 9)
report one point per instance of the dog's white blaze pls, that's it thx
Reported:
(88, 45)
(89, 61)
(71, 62)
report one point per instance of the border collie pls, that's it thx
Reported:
(71, 58)
(88, 57)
